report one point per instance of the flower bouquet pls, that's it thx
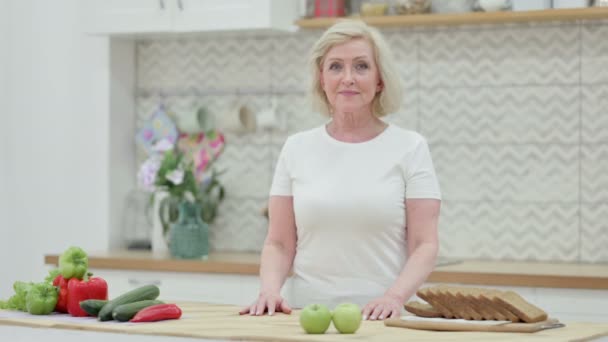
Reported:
(177, 173)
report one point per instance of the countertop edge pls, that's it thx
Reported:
(440, 275)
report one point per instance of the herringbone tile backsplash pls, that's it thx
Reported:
(516, 117)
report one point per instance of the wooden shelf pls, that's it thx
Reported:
(472, 18)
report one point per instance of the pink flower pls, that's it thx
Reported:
(147, 173)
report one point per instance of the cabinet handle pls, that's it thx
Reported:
(137, 282)
(180, 4)
(162, 4)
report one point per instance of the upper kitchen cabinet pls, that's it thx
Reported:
(126, 17)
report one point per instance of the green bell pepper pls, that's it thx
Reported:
(41, 299)
(73, 263)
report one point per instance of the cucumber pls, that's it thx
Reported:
(125, 312)
(141, 293)
(92, 306)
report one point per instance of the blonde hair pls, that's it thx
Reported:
(388, 100)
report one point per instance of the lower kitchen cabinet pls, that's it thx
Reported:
(574, 304)
(174, 286)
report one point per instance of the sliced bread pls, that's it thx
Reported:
(428, 294)
(422, 309)
(523, 309)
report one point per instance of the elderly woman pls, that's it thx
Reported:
(354, 204)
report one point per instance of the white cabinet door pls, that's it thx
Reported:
(127, 16)
(574, 305)
(214, 15)
(169, 16)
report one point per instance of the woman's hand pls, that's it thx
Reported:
(383, 307)
(267, 302)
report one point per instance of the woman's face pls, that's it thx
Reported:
(350, 77)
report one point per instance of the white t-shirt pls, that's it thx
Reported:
(349, 204)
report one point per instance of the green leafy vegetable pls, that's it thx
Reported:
(52, 275)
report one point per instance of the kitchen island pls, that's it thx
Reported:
(212, 322)
(232, 278)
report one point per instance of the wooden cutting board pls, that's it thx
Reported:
(222, 322)
(442, 324)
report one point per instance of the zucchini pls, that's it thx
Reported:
(92, 306)
(125, 312)
(141, 293)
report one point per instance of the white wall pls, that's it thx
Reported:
(122, 127)
(55, 124)
(4, 158)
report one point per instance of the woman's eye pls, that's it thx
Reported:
(361, 66)
(334, 66)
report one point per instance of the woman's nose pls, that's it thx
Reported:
(347, 77)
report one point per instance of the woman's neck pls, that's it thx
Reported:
(352, 127)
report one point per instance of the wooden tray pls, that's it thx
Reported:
(442, 324)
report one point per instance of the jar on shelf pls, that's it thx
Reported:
(374, 9)
(354, 7)
(530, 5)
(404, 7)
(570, 3)
(330, 8)
(452, 6)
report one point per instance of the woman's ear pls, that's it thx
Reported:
(380, 86)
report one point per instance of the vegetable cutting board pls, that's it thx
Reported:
(222, 322)
(443, 324)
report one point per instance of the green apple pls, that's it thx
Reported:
(315, 318)
(347, 318)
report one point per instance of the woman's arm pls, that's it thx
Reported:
(422, 217)
(277, 257)
(422, 246)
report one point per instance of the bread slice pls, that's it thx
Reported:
(467, 308)
(467, 294)
(449, 302)
(428, 294)
(486, 307)
(422, 309)
(489, 296)
(445, 297)
(524, 310)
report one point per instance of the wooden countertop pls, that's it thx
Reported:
(501, 273)
(221, 322)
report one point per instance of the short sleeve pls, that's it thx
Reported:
(281, 181)
(420, 178)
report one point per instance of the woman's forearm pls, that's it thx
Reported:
(275, 264)
(418, 267)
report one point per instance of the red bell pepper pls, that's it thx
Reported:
(159, 312)
(62, 299)
(87, 288)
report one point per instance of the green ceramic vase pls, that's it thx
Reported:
(189, 236)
